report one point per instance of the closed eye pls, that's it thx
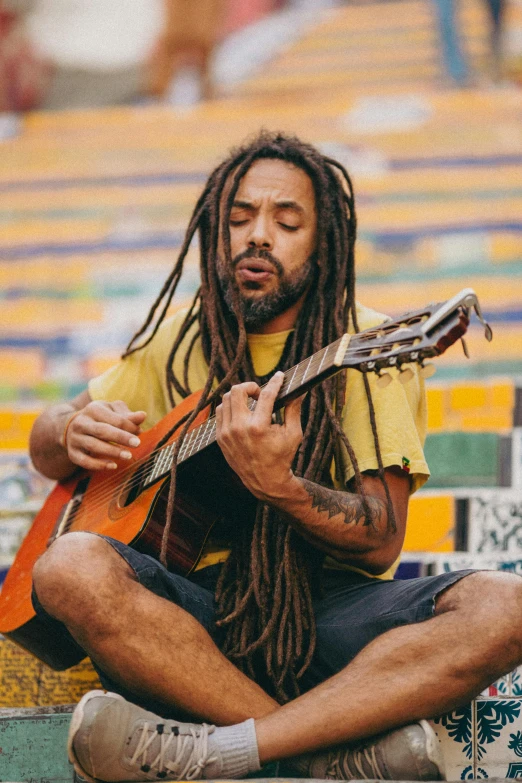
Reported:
(288, 228)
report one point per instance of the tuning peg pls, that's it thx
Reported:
(428, 370)
(405, 375)
(383, 379)
(464, 347)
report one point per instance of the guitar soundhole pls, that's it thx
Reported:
(134, 486)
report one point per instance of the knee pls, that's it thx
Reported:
(491, 601)
(72, 567)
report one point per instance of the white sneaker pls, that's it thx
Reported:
(111, 739)
(410, 753)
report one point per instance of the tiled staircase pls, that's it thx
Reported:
(92, 209)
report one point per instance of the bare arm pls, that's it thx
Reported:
(336, 521)
(98, 434)
(261, 453)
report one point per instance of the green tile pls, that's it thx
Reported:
(33, 745)
(463, 459)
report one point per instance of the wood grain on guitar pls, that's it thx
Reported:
(129, 503)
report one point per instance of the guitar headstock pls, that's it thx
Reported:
(415, 336)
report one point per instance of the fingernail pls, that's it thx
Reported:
(112, 466)
(134, 441)
(125, 455)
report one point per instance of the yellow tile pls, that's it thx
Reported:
(431, 522)
(21, 367)
(465, 396)
(25, 421)
(505, 247)
(27, 682)
(435, 409)
(17, 443)
(487, 422)
(6, 420)
(503, 395)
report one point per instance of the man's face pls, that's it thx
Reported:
(273, 225)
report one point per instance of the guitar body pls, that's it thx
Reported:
(129, 503)
(207, 491)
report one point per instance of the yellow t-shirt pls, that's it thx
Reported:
(400, 410)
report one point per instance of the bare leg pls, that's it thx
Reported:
(417, 671)
(147, 643)
(408, 673)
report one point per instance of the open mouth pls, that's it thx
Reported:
(255, 270)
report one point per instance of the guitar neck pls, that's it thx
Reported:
(298, 380)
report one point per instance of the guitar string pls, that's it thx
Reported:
(191, 445)
(106, 489)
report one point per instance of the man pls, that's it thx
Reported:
(289, 643)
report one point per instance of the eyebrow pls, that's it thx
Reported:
(286, 204)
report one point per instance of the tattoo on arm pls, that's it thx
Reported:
(352, 507)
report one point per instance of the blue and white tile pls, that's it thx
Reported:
(516, 682)
(501, 688)
(495, 522)
(459, 561)
(456, 731)
(498, 738)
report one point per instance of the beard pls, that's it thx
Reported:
(258, 311)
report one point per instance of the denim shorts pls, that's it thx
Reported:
(353, 610)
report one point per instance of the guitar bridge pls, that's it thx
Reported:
(68, 512)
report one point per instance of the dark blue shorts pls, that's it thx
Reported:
(353, 611)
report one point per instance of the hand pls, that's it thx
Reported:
(96, 434)
(260, 452)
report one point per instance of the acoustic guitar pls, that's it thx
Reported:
(129, 503)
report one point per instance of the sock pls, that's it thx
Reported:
(237, 748)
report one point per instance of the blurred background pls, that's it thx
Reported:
(113, 112)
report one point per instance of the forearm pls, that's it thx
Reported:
(46, 443)
(338, 523)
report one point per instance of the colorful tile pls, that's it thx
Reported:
(495, 522)
(498, 738)
(456, 731)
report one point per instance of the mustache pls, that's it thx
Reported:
(266, 255)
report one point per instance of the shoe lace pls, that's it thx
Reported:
(339, 765)
(197, 759)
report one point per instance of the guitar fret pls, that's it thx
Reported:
(199, 435)
(181, 452)
(307, 368)
(324, 352)
(209, 433)
(186, 445)
(168, 456)
(204, 434)
(156, 469)
(192, 442)
(292, 378)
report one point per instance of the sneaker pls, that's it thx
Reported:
(111, 739)
(410, 753)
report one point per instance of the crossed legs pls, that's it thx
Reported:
(156, 649)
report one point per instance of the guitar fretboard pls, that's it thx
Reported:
(296, 378)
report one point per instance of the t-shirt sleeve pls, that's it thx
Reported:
(137, 381)
(401, 422)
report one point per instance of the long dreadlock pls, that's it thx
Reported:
(265, 589)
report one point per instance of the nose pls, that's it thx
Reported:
(260, 235)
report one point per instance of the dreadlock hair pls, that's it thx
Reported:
(265, 589)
